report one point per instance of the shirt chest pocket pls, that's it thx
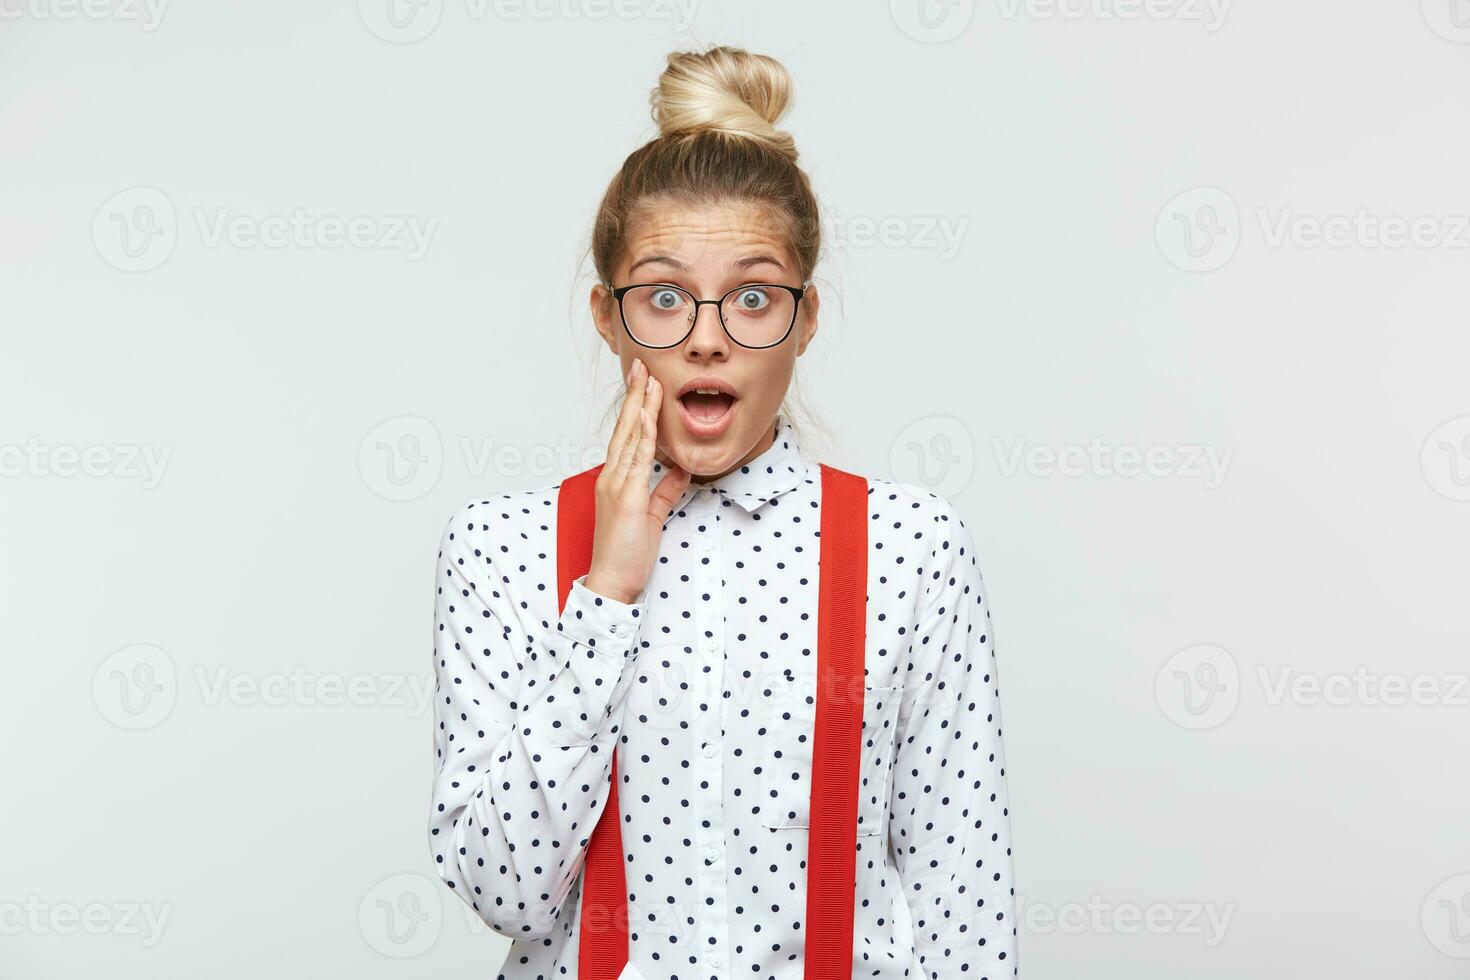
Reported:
(786, 770)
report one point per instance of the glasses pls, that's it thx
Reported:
(755, 315)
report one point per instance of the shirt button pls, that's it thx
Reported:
(716, 960)
(707, 544)
(712, 854)
(615, 629)
(709, 750)
(709, 644)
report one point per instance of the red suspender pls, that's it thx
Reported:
(842, 584)
(602, 949)
(842, 597)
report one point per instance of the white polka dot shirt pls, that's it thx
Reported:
(705, 685)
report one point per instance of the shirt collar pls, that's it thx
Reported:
(782, 466)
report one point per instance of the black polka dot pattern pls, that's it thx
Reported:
(705, 686)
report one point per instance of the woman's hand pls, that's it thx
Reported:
(630, 519)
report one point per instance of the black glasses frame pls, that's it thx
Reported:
(796, 291)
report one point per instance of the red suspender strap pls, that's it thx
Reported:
(842, 584)
(602, 949)
(842, 596)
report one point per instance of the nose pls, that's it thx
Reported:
(708, 339)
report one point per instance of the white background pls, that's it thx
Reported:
(214, 707)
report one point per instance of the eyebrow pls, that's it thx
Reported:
(745, 263)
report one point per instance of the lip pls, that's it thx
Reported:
(697, 426)
(707, 381)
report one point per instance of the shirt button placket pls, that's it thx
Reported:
(710, 620)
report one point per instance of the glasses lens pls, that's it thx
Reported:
(657, 315)
(758, 315)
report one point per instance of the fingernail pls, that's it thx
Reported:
(648, 385)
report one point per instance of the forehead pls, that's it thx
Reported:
(707, 236)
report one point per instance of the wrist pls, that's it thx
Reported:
(608, 591)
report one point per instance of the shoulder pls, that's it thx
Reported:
(915, 509)
(924, 535)
(502, 522)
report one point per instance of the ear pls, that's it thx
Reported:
(806, 320)
(604, 317)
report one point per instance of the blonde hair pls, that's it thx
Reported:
(718, 145)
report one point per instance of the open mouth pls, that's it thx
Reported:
(706, 405)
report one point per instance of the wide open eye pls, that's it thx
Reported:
(751, 299)
(664, 299)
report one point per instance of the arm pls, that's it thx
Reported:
(526, 717)
(949, 832)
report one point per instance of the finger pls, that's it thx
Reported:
(627, 417)
(623, 470)
(668, 491)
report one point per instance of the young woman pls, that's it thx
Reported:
(755, 732)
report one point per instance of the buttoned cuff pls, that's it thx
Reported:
(599, 623)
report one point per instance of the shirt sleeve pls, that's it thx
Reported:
(949, 833)
(526, 718)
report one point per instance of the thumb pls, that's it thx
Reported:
(669, 489)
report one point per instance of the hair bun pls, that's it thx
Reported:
(726, 90)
